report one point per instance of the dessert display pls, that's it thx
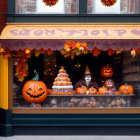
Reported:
(97, 102)
(62, 83)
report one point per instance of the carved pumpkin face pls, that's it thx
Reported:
(34, 90)
(126, 89)
(107, 71)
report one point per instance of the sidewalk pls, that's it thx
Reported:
(71, 138)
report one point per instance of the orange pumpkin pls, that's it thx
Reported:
(117, 93)
(92, 91)
(102, 90)
(34, 90)
(107, 71)
(81, 90)
(126, 89)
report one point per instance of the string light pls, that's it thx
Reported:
(133, 52)
(1, 50)
(27, 51)
(77, 65)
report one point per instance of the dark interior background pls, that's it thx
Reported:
(48, 66)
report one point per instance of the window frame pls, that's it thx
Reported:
(58, 110)
(82, 9)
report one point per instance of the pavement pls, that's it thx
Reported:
(71, 138)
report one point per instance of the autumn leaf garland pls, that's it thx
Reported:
(72, 48)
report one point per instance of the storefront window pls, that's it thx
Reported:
(45, 7)
(106, 80)
(113, 7)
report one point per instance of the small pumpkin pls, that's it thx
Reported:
(92, 91)
(34, 90)
(126, 89)
(102, 90)
(107, 72)
(81, 90)
(117, 93)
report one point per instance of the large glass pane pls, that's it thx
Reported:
(113, 7)
(87, 81)
(39, 7)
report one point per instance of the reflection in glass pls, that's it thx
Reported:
(121, 7)
(39, 7)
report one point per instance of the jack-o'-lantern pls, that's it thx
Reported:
(102, 90)
(107, 71)
(92, 91)
(126, 89)
(81, 90)
(34, 90)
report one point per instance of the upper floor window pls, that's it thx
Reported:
(113, 6)
(47, 7)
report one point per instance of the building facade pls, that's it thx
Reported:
(70, 67)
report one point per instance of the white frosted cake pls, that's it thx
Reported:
(62, 82)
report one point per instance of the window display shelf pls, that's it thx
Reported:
(78, 101)
(75, 95)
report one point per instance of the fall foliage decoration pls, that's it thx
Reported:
(118, 51)
(50, 2)
(42, 51)
(34, 90)
(138, 51)
(107, 71)
(108, 2)
(126, 89)
(111, 52)
(96, 51)
(5, 53)
(21, 67)
(72, 48)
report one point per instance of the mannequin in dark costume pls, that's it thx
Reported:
(87, 80)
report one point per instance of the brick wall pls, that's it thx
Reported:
(3, 10)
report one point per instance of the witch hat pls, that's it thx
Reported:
(87, 71)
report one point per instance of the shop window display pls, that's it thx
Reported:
(113, 7)
(57, 81)
(47, 6)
